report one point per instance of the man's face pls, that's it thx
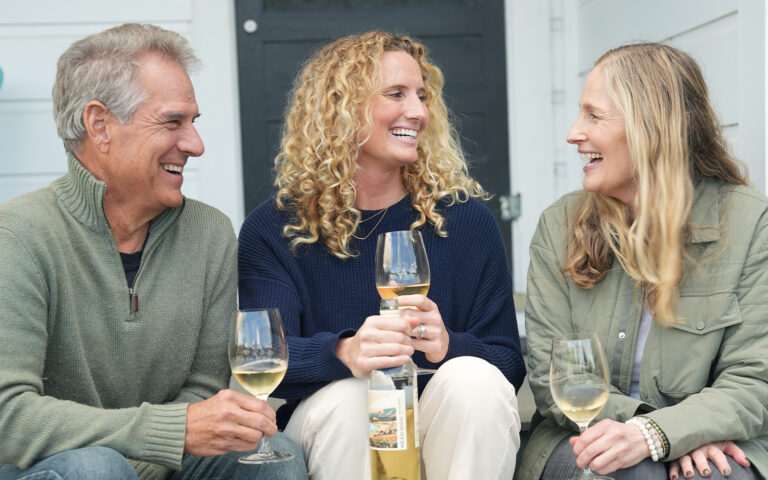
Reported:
(146, 157)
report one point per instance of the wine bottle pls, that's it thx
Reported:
(393, 428)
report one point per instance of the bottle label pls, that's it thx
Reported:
(387, 424)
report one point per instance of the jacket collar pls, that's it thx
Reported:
(705, 214)
(82, 194)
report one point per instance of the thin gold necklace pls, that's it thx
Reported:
(373, 229)
(371, 217)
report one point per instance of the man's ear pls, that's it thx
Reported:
(96, 118)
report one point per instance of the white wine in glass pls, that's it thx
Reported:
(578, 381)
(258, 356)
(402, 268)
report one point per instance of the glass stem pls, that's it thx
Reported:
(265, 446)
(586, 474)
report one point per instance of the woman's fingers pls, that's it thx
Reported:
(674, 471)
(385, 349)
(718, 458)
(378, 363)
(386, 323)
(686, 465)
(701, 462)
(385, 336)
(736, 453)
(421, 302)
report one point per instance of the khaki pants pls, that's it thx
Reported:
(469, 426)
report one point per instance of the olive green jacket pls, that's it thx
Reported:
(704, 379)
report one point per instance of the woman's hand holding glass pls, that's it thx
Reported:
(402, 273)
(381, 342)
(578, 382)
(608, 446)
(428, 331)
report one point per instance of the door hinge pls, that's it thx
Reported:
(511, 207)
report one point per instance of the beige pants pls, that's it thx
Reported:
(468, 424)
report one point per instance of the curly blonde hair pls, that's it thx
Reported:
(328, 109)
(674, 138)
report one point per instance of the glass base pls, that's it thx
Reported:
(268, 457)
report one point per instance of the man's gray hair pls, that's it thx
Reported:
(103, 67)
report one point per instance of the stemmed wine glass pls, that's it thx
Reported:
(578, 380)
(258, 356)
(402, 268)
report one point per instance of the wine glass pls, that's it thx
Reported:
(578, 380)
(258, 357)
(402, 268)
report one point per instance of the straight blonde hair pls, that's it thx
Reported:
(674, 139)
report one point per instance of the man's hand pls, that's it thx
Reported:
(228, 421)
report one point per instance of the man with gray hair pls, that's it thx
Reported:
(117, 293)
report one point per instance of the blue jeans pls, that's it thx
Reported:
(101, 463)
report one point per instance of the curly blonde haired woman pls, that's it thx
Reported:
(367, 148)
(664, 255)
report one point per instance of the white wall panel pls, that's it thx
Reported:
(30, 53)
(713, 46)
(608, 23)
(56, 12)
(28, 141)
(13, 186)
(530, 120)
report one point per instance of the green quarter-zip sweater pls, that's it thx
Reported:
(81, 364)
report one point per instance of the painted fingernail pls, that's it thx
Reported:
(727, 472)
(688, 473)
(706, 472)
(674, 476)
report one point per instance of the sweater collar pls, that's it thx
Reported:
(82, 195)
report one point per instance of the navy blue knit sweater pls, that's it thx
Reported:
(322, 298)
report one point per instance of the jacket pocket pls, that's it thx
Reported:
(690, 348)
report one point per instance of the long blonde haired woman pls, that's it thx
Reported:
(665, 256)
(367, 148)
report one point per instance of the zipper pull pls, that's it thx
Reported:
(133, 300)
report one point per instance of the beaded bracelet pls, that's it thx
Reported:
(662, 437)
(657, 442)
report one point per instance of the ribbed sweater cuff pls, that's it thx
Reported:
(336, 368)
(165, 434)
(460, 344)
